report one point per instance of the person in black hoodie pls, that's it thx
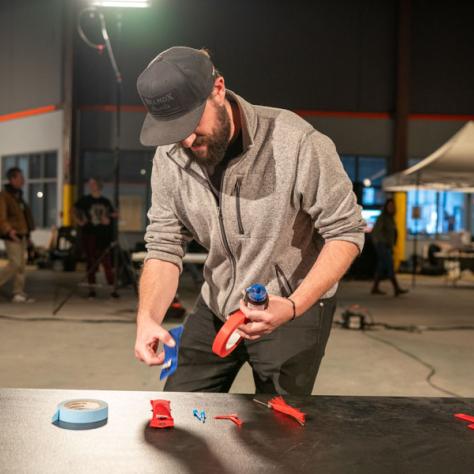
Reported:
(16, 224)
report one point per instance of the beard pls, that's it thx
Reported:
(216, 143)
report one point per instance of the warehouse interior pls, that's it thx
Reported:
(389, 82)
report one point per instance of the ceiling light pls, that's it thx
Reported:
(121, 3)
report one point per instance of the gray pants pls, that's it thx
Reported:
(16, 254)
(284, 362)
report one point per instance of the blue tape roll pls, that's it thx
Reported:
(81, 411)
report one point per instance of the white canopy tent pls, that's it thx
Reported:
(449, 168)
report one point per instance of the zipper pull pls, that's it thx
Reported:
(237, 186)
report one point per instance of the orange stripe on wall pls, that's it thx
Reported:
(332, 113)
(303, 113)
(383, 115)
(441, 117)
(28, 113)
(112, 108)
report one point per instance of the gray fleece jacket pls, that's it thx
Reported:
(280, 200)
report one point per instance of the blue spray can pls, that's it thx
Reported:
(256, 297)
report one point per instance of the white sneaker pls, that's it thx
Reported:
(20, 298)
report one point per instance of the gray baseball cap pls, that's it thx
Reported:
(174, 88)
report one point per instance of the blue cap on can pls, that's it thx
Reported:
(257, 293)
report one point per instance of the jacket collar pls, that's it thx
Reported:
(18, 193)
(248, 118)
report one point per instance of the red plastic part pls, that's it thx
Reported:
(232, 417)
(161, 414)
(279, 404)
(464, 417)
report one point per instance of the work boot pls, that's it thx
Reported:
(397, 291)
(375, 288)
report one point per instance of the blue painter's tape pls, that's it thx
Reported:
(81, 411)
(171, 353)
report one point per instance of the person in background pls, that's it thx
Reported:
(94, 214)
(16, 224)
(384, 236)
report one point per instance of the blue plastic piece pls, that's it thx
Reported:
(257, 293)
(171, 353)
(200, 416)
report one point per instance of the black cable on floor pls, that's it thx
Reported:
(420, 328)
(422, 362)
(66, 320)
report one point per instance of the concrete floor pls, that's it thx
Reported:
(39, 350)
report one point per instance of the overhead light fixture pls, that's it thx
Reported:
(367, 183)
(121, 3)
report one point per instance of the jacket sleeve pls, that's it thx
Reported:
(325, 191)
(165, 236)
(4, 224)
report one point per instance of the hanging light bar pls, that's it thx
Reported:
(121, 3)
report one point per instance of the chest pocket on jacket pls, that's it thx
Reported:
(250, 210)
(240, 225)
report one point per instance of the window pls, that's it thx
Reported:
(134, 183)
(350, 165)
(367, 172)
(439, 212)
(41, 186)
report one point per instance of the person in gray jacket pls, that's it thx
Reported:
(267, 196)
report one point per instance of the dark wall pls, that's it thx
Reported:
(443, 57)
(320, 54)
(30, 54)
(313, 54)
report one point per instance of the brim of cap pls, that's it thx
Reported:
(165, 132)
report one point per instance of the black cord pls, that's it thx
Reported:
(66, 320)
(432, 370)
(356, 310)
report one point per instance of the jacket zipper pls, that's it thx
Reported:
(225, 242)
(237, 203)
(283, 281)
(233, 262)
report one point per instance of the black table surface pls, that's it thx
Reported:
(342, 435)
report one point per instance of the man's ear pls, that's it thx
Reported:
(218, 92)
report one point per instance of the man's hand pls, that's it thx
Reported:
(278, 312)
(149, 334)
(13, 236)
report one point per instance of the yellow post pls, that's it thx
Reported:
(68, 201)
(400, 200)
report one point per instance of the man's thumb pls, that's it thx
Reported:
(167, 339)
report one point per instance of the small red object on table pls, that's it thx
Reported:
(161, 414)
(232, 417)
(279, 404)
(463, 416)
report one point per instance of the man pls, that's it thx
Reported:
(94, 214)
(16, 224)
(266, 194)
